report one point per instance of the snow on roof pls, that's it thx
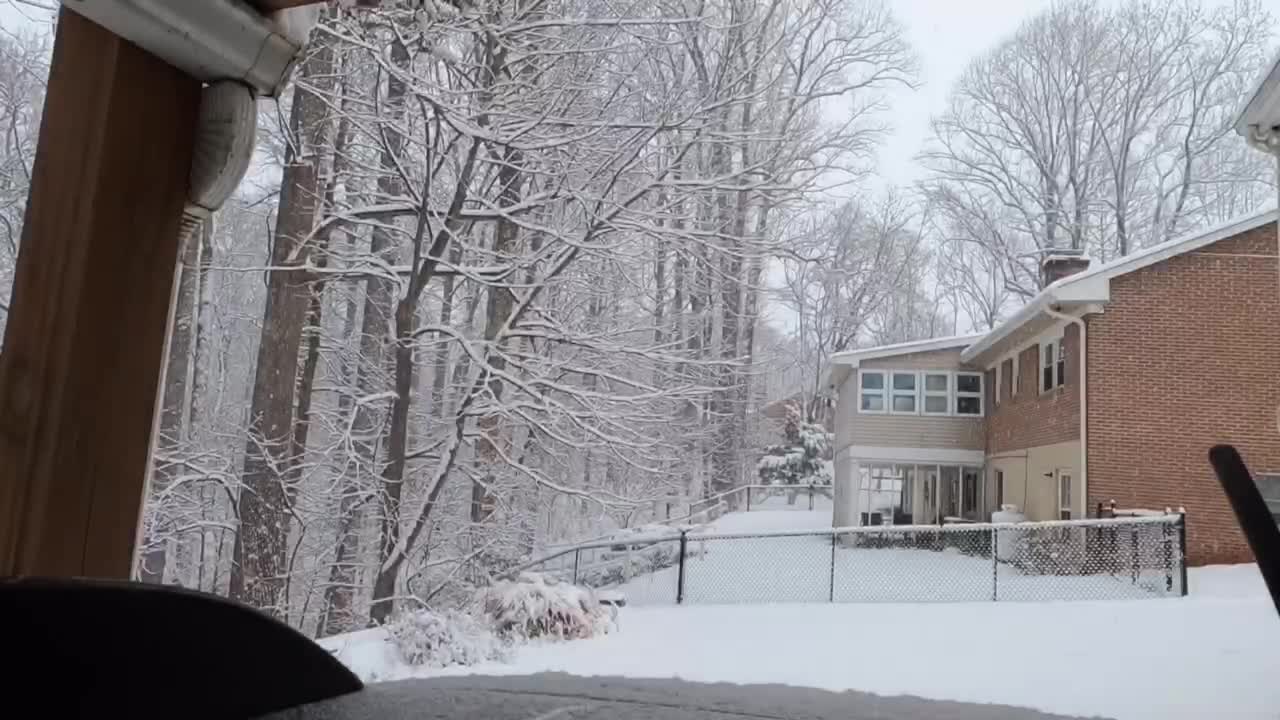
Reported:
(853, 357)
(1094, 285)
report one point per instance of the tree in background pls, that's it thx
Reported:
(802, 459)
(1101, 127)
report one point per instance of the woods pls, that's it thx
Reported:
(514, 273)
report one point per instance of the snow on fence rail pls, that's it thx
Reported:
(1101, 559)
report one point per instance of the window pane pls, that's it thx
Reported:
(935, 404)
(904, 403)
(968, 406)
(873, 402)
(1046, 354)
(1064, 489)
(1047, 381)
(969, 383)
(872, 381)
(937, 383)
(1062, 372)
(904, 381)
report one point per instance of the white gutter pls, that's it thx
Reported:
(1084, 401)
(208, 39)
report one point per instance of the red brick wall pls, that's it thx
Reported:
(1186, 355)
(1031, 418)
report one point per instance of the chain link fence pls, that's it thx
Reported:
(1104, 559)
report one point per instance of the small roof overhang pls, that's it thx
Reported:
(841, 364)
(1259, 120)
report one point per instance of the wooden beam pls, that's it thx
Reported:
(84, 343)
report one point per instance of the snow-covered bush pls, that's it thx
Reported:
(536, 605)
(442, 639)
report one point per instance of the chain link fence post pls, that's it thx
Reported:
(995, 565)
(577, 552)
(1182, 549)
(684, 548)
(811, 497)
(831, 594)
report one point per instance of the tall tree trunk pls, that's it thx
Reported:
(371, 368)
(260, 551)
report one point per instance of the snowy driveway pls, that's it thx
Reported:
(1215, 654)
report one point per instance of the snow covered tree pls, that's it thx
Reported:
(802, 458)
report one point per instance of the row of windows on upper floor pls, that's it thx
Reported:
(951, 393)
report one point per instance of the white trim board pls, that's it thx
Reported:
(917, 455)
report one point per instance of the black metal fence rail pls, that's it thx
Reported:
(1101, 559)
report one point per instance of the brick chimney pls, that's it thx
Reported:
(1060, 263)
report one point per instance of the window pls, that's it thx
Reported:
(1013, 378)
(904, 393)
(937, 393)
(1064, 495)
(1053, 365)
(999, 489)
(968, 393)
(871, 392)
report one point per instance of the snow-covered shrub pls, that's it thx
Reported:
(443, 639)
(536, 605)
(801, 459)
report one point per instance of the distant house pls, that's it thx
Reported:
(1110, 384)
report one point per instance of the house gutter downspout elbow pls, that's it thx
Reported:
(1084, 399)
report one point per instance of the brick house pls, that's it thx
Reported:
(1111, 384)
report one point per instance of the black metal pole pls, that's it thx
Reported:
(576, 553)
(811, 496)
(1182, 548)
(995, 566)
(748, 498)
(831, 595)
(684, 547)
(1133, 534)
(1167, 532)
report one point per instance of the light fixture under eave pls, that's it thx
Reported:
(210, 40)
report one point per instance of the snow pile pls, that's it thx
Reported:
(430, 639)
(541, 606)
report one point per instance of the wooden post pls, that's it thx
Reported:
(84, 345)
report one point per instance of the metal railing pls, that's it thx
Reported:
(1101, 559)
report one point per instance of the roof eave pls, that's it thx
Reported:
(1259, 119)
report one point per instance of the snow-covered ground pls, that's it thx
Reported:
(1215, 654)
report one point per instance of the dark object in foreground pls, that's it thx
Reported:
(89, 648)
(1252, 513)
(565, 697)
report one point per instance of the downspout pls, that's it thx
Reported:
(1084, 401)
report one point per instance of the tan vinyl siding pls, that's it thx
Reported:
(933, 360)
(925, 431)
